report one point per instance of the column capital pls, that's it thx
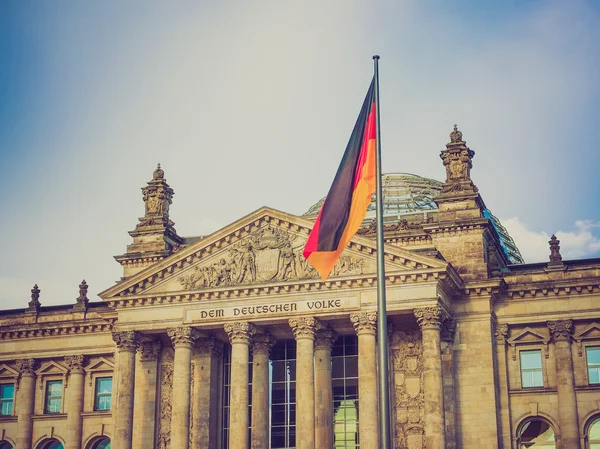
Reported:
(25, 367)
(262, 344)
(183, 337)
(75, 363)
(127, 341)
(364, 322)
(209, 347)
(430, 317)
(304, 327)
(240, 332)
(324, 339)
(149, 350)
(560, 329)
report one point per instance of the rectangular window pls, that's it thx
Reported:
(53, 396)
(344, 376)
(7, 394)
(103, 397)
(593, 364)
(531, 369)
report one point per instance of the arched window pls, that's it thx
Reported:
(51, 444)
(5, 445)
(102, 443)
(594, 435)
(537, 434)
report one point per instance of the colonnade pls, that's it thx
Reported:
(314, 394)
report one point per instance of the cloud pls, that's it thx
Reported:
(579, 242)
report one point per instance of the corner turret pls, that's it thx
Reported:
(154, 237)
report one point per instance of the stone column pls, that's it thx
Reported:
(561, 332)
(430, 320)
(205, 366)
(127, 343)
(323, 388)
(365, 325)
(240, 336)
(144, 408)
(261, 347)
(25, 402)
(505, 431)
(448, 331)
(74, 401)
(304, 332)
(183, 338)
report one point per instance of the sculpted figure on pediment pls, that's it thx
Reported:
(267, 255)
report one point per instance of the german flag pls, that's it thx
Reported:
(346, 204)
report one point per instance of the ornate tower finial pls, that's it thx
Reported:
(154, 237)
(456, 135)
(34, 304)
(82, 299)
(555, 257)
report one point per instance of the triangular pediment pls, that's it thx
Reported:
(51, 367)
(263, 248)
(100, 364)
(591, 332)
(7, 371)
(526, 336)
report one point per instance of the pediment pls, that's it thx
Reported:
(7, 371)
(51, 367)
(527, 336)
(262, 248)
(100, 364)
(591, 332)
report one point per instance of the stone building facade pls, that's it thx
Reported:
(231, 340)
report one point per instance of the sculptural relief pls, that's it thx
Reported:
(407, 350)
(267, 255)
(166, 394)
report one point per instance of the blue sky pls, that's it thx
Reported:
(248, 104)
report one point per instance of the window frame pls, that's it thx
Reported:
(523, 371)
(46, 395)
(97, 394)
(12, 400)
(587, 364)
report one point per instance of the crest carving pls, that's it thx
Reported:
(407, 350)
(268, 254)
(166, 394)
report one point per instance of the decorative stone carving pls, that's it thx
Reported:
(555, 257)
(240, 332)
(407, 353)
(149, 350)
(75, 363)
(34, 304)
(364, 322)
(304, 327)
(457, 158)
(561, 329)
(262, 344)
(268, 254)
(82, 299)
(158, 196)
(209, 346)
(183, 336)
(25, 366)
(166, 395)
(501, 332)
(430, 317)
(127, 341)
(324, 339)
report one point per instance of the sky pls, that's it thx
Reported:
(250, 104)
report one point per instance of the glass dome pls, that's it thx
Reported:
(405, 193)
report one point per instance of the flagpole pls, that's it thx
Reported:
(382, 338)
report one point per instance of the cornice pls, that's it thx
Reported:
(553, 288)
(485, 288)
(55, 330)
(447, 275)
(459, 227)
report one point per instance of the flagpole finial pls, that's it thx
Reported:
(375, 56)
